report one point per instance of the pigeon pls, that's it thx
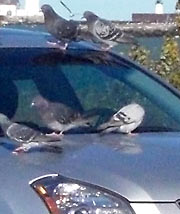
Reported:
(104, 32)
(58, 116)
(24, 135)
(125, 120)
(63, 30)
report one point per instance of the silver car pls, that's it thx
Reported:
(88, 171)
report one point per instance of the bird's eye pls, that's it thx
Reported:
(127, 119)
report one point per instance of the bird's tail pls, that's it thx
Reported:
(127, 39)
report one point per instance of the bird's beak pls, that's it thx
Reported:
(82, 17)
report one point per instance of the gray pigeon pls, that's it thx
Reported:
(105, 32)
(63, 30)
(125, 120)
(24, 135)
(58, 116)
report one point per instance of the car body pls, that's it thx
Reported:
(93, 172)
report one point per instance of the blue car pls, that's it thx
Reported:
(87, 170)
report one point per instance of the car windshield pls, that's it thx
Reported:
(91, 83)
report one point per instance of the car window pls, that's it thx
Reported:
(112, 87)
(85, 82)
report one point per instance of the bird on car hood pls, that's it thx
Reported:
(58, 116)
(25, 136)
(127, 119)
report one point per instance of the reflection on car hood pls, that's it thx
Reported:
(143, 167)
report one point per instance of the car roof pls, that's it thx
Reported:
(22, 38)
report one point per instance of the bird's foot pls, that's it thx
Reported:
(25, 147)
(19, 150)
(55, 135)
(62, 46)
(132, 134)
(52, 44)
(105, 47)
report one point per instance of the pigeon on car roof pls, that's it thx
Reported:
(125, 120)
(62, 29)
(105, 32)
(58, 116)
(25, 136)
(99, 31)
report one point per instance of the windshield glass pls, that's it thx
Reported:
(44, 86)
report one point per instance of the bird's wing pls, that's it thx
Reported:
(55, 125)
(117, 120)
(121, 116)
(66, 29)
(110, 124)
(128, 128)
(127, 39)
(106, 30)
(21, 133)
(63, 113)
(56, 115)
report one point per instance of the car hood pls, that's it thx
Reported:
(142, 167)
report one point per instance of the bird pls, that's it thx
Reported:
(24, 135)
(105, 33)
(58, 116)
(63, 30)
(127, 119)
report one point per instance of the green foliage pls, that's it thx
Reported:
(168, 66)
(140, 55)
(177, 20)
(177, 5)
(169, 59)
(174, 79)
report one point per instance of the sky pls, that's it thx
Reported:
(109, 9)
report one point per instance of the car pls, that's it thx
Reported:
(88, 171)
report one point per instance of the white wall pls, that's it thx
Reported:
(7, 10)
(32, 7)
(21, 12)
